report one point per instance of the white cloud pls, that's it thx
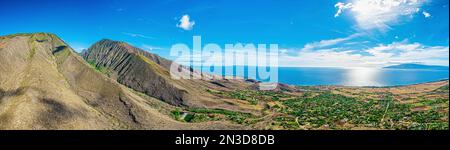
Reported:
(149, 47)
(137, 35)
(380, 14)
(426, 14)
(377, 56)
(341, 7)
(330, 42)
(79, 49)
(185, 23)
(284, 51)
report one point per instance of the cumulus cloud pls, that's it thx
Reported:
(376, 56)
(379, 14)
(426, 14)
(185, 23)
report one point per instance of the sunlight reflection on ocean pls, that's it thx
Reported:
(353, 76)
(363, 77)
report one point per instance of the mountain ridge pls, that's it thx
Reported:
(417, 66)
(44, 84)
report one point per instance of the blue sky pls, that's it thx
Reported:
(319, 33)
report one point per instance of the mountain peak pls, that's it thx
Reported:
(40, 36)
(29, 34)
(117, 45)
(110, 41)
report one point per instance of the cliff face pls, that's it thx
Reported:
(139, 70)
(44, 84)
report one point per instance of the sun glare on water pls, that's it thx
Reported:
(362, 77)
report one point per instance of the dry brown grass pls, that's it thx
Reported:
(41, 88)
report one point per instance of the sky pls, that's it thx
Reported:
(319, 33)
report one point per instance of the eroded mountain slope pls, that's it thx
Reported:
(44, 84)
(149, 74)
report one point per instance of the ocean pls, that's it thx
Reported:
(303, 76)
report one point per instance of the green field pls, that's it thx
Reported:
(324, 109)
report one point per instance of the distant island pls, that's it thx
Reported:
(417, 66)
